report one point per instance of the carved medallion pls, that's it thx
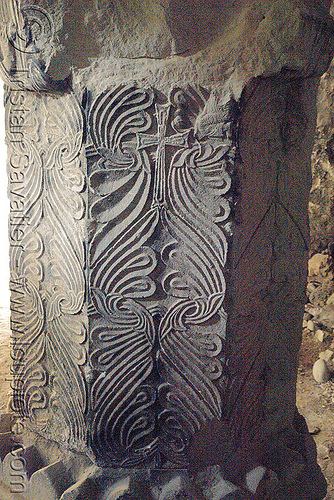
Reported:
(159, 176)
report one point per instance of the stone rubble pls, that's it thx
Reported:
(321, 335)
(321, 372)
(327, 355)
(319, 311)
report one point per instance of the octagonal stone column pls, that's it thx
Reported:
(159, 171)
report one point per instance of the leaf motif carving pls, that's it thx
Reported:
(47, 274)
(122, 402)
(158, 250)
(118, 114)
(195, 399)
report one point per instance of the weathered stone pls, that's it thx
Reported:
(7, 420)
(7, 444)
(318, 265)
(159, 240)
(320, 371)
(86, 487)
(330, 300)
(322, 192)
(310, 325)
(321, 335)
(325, 317)
(49, 482)
(213, 485)
(307, 316)
(319, 290)
(327, 355)
(312, 310)
(18, 467)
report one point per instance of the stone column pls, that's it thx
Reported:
(159, 171)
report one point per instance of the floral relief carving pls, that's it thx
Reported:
(159, 174)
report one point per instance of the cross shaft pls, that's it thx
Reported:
(161, 140)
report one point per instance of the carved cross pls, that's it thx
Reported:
(161, 140)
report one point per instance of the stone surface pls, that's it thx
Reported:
(254, 477)
(320, 371)
(320, 335)
(325, 317)
(322, 195)
(320, 289)
(318, 264)
(310, 325)
(159, 241)
(320, 280)
(330, 300)
(327, 355)
(322, 192)
(50, 481)
(267, 284)
(322, 263)
(214, 486)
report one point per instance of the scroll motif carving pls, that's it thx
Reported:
(26, 46)
(44, 135)
(159, 173)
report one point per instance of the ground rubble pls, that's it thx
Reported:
(315, 386)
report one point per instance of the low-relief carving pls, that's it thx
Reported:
(159, 175)
(46, 181)
(26, 47)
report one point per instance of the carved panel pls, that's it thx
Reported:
(46, 183)
(159, 176)
(26, 46)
